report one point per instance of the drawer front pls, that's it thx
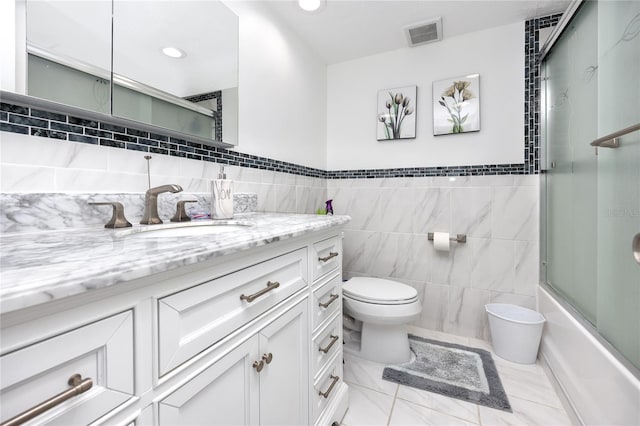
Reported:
(194, 319)
(327, 299)
(101, 351)
(326, 343)
(327, 386)
(327, 256)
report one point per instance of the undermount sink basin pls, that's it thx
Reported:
(187, 229)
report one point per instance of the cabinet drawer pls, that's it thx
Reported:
(101, 351)
(326, 343)
(326, 256)
(194, 319)
(327, 299)
(327, 386)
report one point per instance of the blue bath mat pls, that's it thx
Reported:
(452, 370)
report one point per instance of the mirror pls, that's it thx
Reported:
(69, 53)
(73, 55)
(205, 33)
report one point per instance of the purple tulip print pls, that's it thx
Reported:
(396, 113)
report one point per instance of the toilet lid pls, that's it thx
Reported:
(379, 291)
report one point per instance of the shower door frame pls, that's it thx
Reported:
(564, 21)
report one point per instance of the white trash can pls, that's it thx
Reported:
(515, 332)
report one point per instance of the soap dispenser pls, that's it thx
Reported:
(222, 197)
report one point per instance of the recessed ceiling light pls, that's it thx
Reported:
(173, 52)
(311, 5)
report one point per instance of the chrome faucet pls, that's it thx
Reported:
(150, 215)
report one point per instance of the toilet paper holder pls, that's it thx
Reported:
(458, 238)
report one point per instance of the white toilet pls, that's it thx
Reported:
(382, 309)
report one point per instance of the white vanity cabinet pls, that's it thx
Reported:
(250, 338)
(263, 381)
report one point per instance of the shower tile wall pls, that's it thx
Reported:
(387, 238)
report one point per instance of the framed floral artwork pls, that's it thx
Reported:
(456, 105)
(397, 113)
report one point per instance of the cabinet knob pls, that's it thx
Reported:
(258, 365)
(268, 358)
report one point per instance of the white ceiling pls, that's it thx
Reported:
(349, 29)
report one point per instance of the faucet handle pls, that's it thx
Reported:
(117, 218)
(181, 214)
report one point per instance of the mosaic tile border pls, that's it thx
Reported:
(483, 170)
(215, 97)
(38, 122)
(532, 90)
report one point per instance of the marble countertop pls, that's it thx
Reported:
(37, 267)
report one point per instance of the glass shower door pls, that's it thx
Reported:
(571, 120)
(592, 90)
(619, 176)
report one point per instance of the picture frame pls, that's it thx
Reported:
(456, 105)
(397, 113)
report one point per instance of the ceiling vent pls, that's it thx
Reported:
(424, 32)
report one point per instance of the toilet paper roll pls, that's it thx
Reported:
(441, 241)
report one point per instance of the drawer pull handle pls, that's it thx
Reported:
(333, 298)
(268, 358)
(79, 384)
(258, 365)
(327, 258)
(328, 391)
(252, 297)
(334, 339)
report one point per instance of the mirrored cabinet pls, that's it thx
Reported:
(166, 64)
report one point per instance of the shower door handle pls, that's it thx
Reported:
(635, 246)
(611, 140)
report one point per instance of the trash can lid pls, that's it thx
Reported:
(514, 313)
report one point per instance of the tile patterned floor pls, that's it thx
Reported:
(374, 401)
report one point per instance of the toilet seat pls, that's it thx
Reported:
(379, 291)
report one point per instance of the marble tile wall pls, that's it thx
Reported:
(42, 165)
(387, 238)
(32, 212)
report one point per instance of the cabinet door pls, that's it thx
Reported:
(226, 393)
(284, 381)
